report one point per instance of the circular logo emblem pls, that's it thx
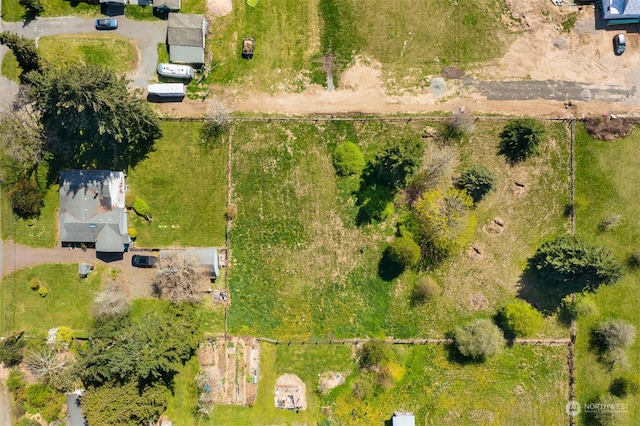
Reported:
(572, 408)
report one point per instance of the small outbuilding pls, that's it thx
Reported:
(402, 418)
(167, 5)
(186, 38)
(74, 412)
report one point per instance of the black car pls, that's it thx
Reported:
(619, 44)
(143, 261)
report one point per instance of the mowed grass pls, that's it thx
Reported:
(68, 301)
(287, 37)
(521, 386)
(110, 51)
(13, 12)
(606, 185)
(10, 67)
(184, 183)
(303, 268)
(305, 361)
(413, 39)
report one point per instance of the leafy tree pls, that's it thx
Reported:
(374, 353)
(446, 222)
(348, 159)
(520, 319)
(479, 339)
(112, 302)
(91, 119)
(26, 199)
(625, 385)
(216, 124)
(520, 139)
(148, 350)
(179, 280)
(32, 8)
(436, 172)
(613, 334)
(398, 161)
(124, 404)
(11, 349)
(24, 50)
(571, 264)
(477, 181)
(404, 252)
(141, 207)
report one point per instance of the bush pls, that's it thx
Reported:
(398, 161)
(15, 380)
(520, 139)
(623, 386)
(584, 306)
(520, 319)
(610, 222)
(609, 129)
(232, 211)
(63, 337)
(374, 353)
(613, 334)
(34, 284)
(26, 199)
(133, 233)
(141, 207)
(426, 289)
(11, 350)
(573, 265)
(348, 159)
(42, 291)
(404, 252)
(479, 339)
(477, 181)
(129, 199)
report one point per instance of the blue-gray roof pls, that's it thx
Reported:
(92, 209)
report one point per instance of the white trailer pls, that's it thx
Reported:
(175, 71)
(166, 90)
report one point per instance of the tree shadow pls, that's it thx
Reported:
(388, 270)
(540, 293)
(372, 198)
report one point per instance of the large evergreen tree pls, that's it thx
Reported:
(24, 49)
(91, 119)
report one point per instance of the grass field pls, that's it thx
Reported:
(184, 183)
(411, 40)
(110, 51)
(606, 185)
(67, 303)
(300, 257)
(13, 12)
(10, 67)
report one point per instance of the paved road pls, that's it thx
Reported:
(147, 35)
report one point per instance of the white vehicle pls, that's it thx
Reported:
(175, 71)
(166, 90)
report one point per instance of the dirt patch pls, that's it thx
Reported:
(219, 7)
(232, 369)
(330, 380)
(290, 393)
(608, 128)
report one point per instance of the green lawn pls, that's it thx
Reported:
(68, 301)
(303, 268)
(12, 11)
(10, 67)
(111, 51)
(184, 183)
(606, 185)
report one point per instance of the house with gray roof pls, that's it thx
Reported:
(186, 37)
(621, 11)
(92, 210)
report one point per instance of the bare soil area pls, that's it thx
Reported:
(290, 393)
(232, 367)
(542, 51)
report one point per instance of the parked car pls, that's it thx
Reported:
(143, 261)
(619, 44)
(106, 24)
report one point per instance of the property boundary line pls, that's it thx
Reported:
(445, 341)
(573, 328)
(356, 118)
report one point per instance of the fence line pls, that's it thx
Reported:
(443, 341)
(354, 118)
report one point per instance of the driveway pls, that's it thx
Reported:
(146, 34)
(137, 281)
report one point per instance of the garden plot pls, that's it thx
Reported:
(232, 367)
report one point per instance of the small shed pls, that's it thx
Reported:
(402, 418)
(84, 269)
(186, 38)
(167, 5)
